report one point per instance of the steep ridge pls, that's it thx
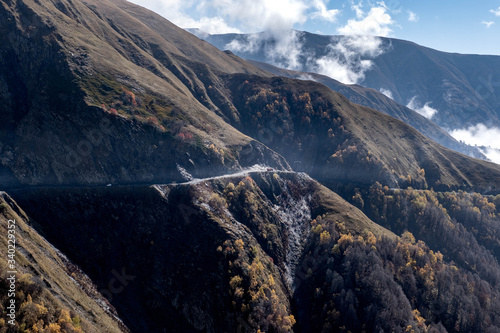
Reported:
(378, 101)
(189, 246)
(271, 251)
(322, 133)
(49, 287)
(463, 88)
(93, 108)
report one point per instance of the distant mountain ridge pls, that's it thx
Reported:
(464, 89)
(380, 102)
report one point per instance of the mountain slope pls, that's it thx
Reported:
(378, 101)
(160, 112)
(463, 88)
(92, 107)
(94, 96)
(322, 133)
(48, 286)
(172, 235)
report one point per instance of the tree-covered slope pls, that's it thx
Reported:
(200, 255)
(321, 132)
(271, 251)
(462, 88)
(376, 100)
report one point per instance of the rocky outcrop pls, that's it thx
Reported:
(178, 247)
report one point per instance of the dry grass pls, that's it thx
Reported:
(37, 257)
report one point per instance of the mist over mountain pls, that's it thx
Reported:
(159, 184)
(381, 102)
(456, 91)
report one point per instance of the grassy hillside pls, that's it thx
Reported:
(103, 107)
(321, 132)
(52, 294)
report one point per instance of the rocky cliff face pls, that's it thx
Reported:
(193, 255)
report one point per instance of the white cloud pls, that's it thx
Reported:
(345, 60)
(386, 92)
(262, 14)
(211, 25)
(412, 16)
(483, 136)
(479, 135)
(488, 24)
(282, 48)
(495, 11)
(286, 50)
(492, 153)
(425, 110)
(250, 44)
(342, 69)
(305, 77)
(174, 11)
(364, 45)
(376, 23)
(249, 15)
(329, 15)
(358, 9)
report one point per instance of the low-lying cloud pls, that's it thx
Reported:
(283, 49)
(482, 136)
(493, 154)
(479, 134)
(346, 59)
(350, 57)
(425, 110)
(386, 92)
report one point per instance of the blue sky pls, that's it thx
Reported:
(452, 26)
